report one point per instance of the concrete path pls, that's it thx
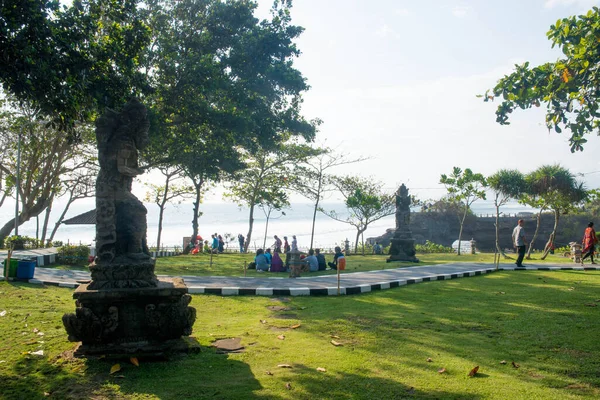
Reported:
(350, 283)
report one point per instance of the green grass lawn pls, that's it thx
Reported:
(545, 321)
(232, 264)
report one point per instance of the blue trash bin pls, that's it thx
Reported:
(26, 269)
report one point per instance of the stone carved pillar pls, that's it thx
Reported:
(403, 244)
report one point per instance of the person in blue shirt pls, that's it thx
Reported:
(215, 243)
(268, 255)
(321, 260)
(312, 261)
(261, 262)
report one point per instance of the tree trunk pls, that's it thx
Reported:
(537, 228)
(198, 185)
(312, 231)
(161, 212)
(462, 223)
(25, 215)
(358, 233)
(362, 240)
(61, 218)
(160, 223)
(498, 248)
(552, 235)
(250, 226)
(46, 221)
(266, 229)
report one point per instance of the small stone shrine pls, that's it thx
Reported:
(125, 309)
(403, 244)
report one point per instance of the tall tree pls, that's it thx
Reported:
(225, 85)
(165, 193)
(265, 179)
(506, 184)
(46, 156)
(559, 191)
(69, 61)
(314, 178)
(366, 203)
(277, 203)
(464, 188)
(568, 87)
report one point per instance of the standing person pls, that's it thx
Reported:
(377, 249)
(339, 261)
(311, 260)
(241, 240)
(277, 244)
(221, 245)
(286, 245)
(589, 243)
(519, 242)
(321, 260)
(215, 243)
(294, 243)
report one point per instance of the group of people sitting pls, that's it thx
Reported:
(217, 245)
(267, 261)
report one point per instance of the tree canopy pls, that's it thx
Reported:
(568, 87)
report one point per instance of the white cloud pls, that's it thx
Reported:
(403, 12)
(565, 3)
(461, 11)
(385, 31)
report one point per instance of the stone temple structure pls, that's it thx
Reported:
(403, 244)
(125, 309)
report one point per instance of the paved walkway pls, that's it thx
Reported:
(350, 283)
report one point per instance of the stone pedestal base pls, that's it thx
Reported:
(402, 249)
(150, 320)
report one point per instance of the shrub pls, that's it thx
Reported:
(73, 255)
(22, 242)
(57, 243)
(430, 247)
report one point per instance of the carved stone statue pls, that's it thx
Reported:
(125, 309)
(403, 244)
(123, 259)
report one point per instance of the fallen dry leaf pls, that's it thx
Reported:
(441, 371)
(320, 369)
(40, 333)
(295, 326)
(503, 362)
(284, 365)
(281, 337)
(120, 376)
(501, 292)
(429, 359)
(571, 288)
(2, 313)
(35, 330)
(263, 321)
(335, 336)
(288, 386)
(37, 353)
(333, 342)
(592, 305)
(134, 361)
(268, 373)
(474, 371)
(115, 368)
(515, 365)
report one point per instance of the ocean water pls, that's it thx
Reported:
(227, 218)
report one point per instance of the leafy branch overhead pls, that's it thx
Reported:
(568, 87)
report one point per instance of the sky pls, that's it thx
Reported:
(397, 81)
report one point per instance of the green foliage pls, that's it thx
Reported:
(366, 203)
(556, 188)
(22, 242)
(568, 87)
(69, 61)
(73, 254)
(432, 248)
(507, 184)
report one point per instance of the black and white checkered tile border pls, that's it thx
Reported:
(332, 291)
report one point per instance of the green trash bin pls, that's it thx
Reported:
(12, 268)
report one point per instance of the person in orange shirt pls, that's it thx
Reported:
(589, 243)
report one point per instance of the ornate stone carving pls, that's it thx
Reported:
(123, 259)
(403, 244)
(86, 326)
